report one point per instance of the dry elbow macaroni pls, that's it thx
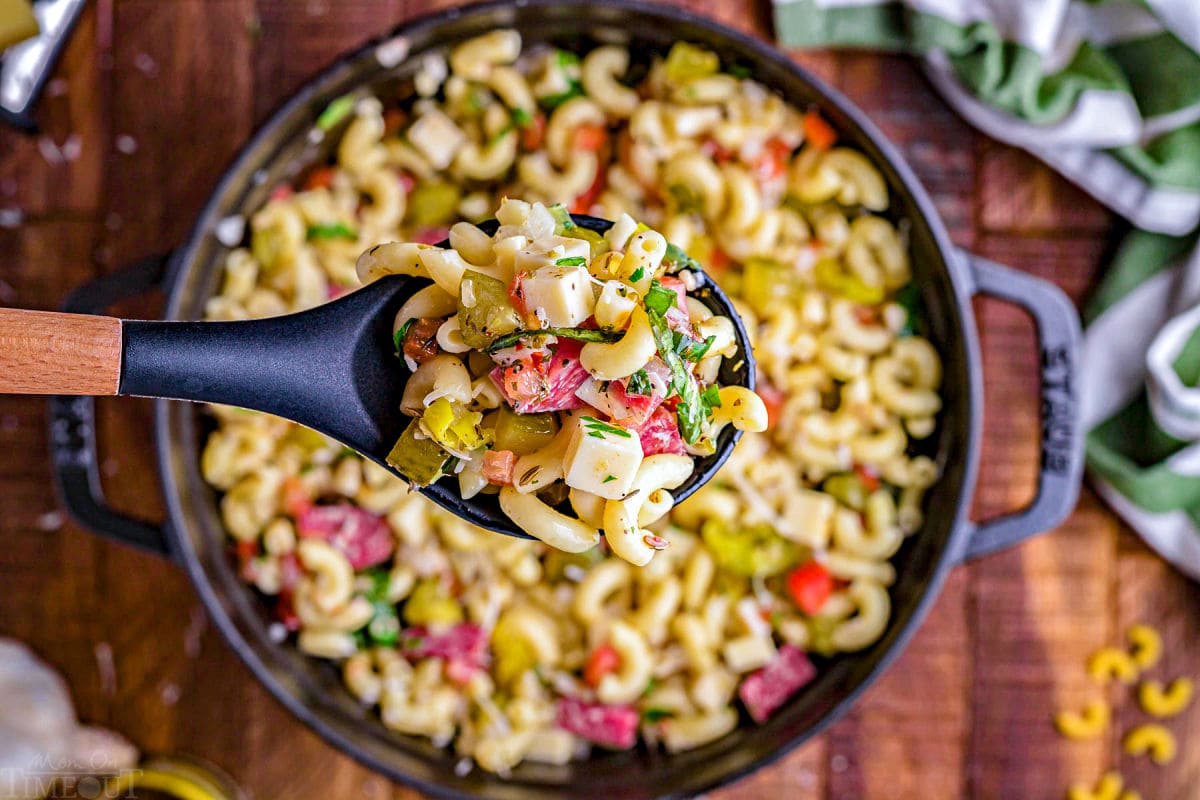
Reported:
(482, 643)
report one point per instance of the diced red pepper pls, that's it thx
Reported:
(809, 586)
(610, 726)
(531, 386)
(773, 399)
(718, 260)
(603, 660)
(868, 477)
(498, 466)
(817, 132)
(296, 500)
(764, 691)
(660, 434)
(516, 294)
(584, 202)
(465, 643)
(364, 538)
(772, 163)
(590, 137)
(393, 120)
(420, 340)
(713, 149)
(282, 192)
(533, 133)
(319, 178)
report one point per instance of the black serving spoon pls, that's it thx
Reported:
(332, 368)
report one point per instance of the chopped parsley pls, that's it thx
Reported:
(555, 100)
(691, 349)
(571, 261)
(711, 397)
(637, 275)
(676, 259)
(331, 230)
(609, 478)
(521, 117)
(639, 383)
(582, 334)
(653, 715)
(908, 297)
(398, 336)
(740, 71)
(335, 112)
(658, 299)
(597, 428)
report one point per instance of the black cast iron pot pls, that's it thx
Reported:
(313, 690)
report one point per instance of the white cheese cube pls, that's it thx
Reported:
(437, 138)
(601, 461)
(748, 653)
(548, 249)
(506, 251)
(559, 296)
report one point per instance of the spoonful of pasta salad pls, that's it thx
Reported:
(541, 374)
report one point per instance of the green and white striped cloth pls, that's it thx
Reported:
(1107, 92)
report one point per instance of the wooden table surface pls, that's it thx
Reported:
(150, 102)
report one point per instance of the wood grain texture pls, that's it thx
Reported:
(42, 352)
(161, 94)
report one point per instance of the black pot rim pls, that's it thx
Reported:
(960, 528)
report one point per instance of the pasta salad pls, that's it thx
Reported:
(600, 382)
(508, 650)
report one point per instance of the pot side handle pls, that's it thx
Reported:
(1059, 338)
(73, 429)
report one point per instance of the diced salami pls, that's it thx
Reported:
(632, 410)
(770, 687)
(546, 384)
(610, 726)
(431, 235)
(364, 538)
(464, 645)
(660, 434)
(498, 466)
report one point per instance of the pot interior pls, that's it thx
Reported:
(313, 689)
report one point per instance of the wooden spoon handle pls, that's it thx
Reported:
(42, 352)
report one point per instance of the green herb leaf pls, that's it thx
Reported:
(581, 334)
(711, 397)
(637, 275)
(676, 259)
(565, 58)
(690, 413)
(596, 434)
(739, 71)
(331, 230)
(909, 297)
(639, 383)
(521, 117)
(653, 715)
(384, 627)
(571, 261)
(398, 336)
(552, 102)
(609, 478)
(335, 112)
(690, 349)
(659, 299)
(594, 425)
